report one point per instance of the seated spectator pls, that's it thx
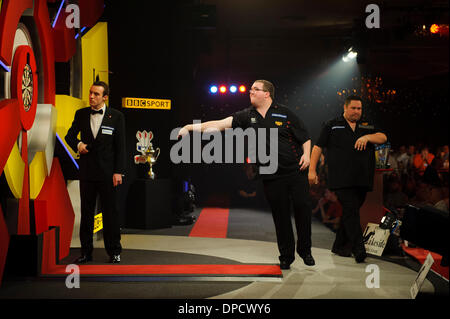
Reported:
(394, 196)
(431, 175)
(316, 193)
(426, 194)
(331, 217)
(442, 156)
(422, 160)
(409, 186)
(247, 189)
(423, 194)
(411, 152)
(392, 160)
(445, 153)
(403, 159)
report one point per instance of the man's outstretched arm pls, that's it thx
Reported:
(201, 127)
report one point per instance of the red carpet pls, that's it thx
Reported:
(212, 223)
(421, 254)
(130, 270)
(50, 267)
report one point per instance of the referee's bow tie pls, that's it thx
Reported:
(97, 112)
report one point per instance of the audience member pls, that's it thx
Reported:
(431, 175)
(392, 160)
(422, 160)
(445, 151)
(403, 160)
(442, 157)
(411, 152)
(394, 197)
(246, 194)
(331, 216)
(409, 187)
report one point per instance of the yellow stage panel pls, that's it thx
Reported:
(94, 50)
(38, 173)
(14, 171)
(66, 107)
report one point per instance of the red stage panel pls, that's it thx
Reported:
(9, 18)
(90, 12)
(65, 38)
(48, 52)
(9, 128)
(54, 208)
(4, 243)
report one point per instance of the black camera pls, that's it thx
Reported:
(391, 221)
(424, 226)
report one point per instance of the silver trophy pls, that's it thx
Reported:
(148, 153)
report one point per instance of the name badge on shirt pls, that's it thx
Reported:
(279, 115)
(366, 125)
(336, 127)
(107, 130)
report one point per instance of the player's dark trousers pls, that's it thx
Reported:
(349, 237)
(281, 193)
(108, 204)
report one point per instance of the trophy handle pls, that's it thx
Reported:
(157, 151)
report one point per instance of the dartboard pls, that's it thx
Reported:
(27, 87)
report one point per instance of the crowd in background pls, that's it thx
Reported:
(417, 176)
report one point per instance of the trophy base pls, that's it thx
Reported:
(151, 175)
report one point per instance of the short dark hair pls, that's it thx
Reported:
(352, 98)
(104, 85)
(268, 87)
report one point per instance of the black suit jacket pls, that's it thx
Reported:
(106, 154)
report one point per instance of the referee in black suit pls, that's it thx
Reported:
(102, 165)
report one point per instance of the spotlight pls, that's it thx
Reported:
(223, 89)
(434, 28)
(350, 55)
(233, 89)
(213, 89)
(242, 89)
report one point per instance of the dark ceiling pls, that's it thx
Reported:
(276, 38)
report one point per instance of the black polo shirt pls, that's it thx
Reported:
(348, 167)
(292, 133)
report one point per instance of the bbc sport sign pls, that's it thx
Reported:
(140, 103)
